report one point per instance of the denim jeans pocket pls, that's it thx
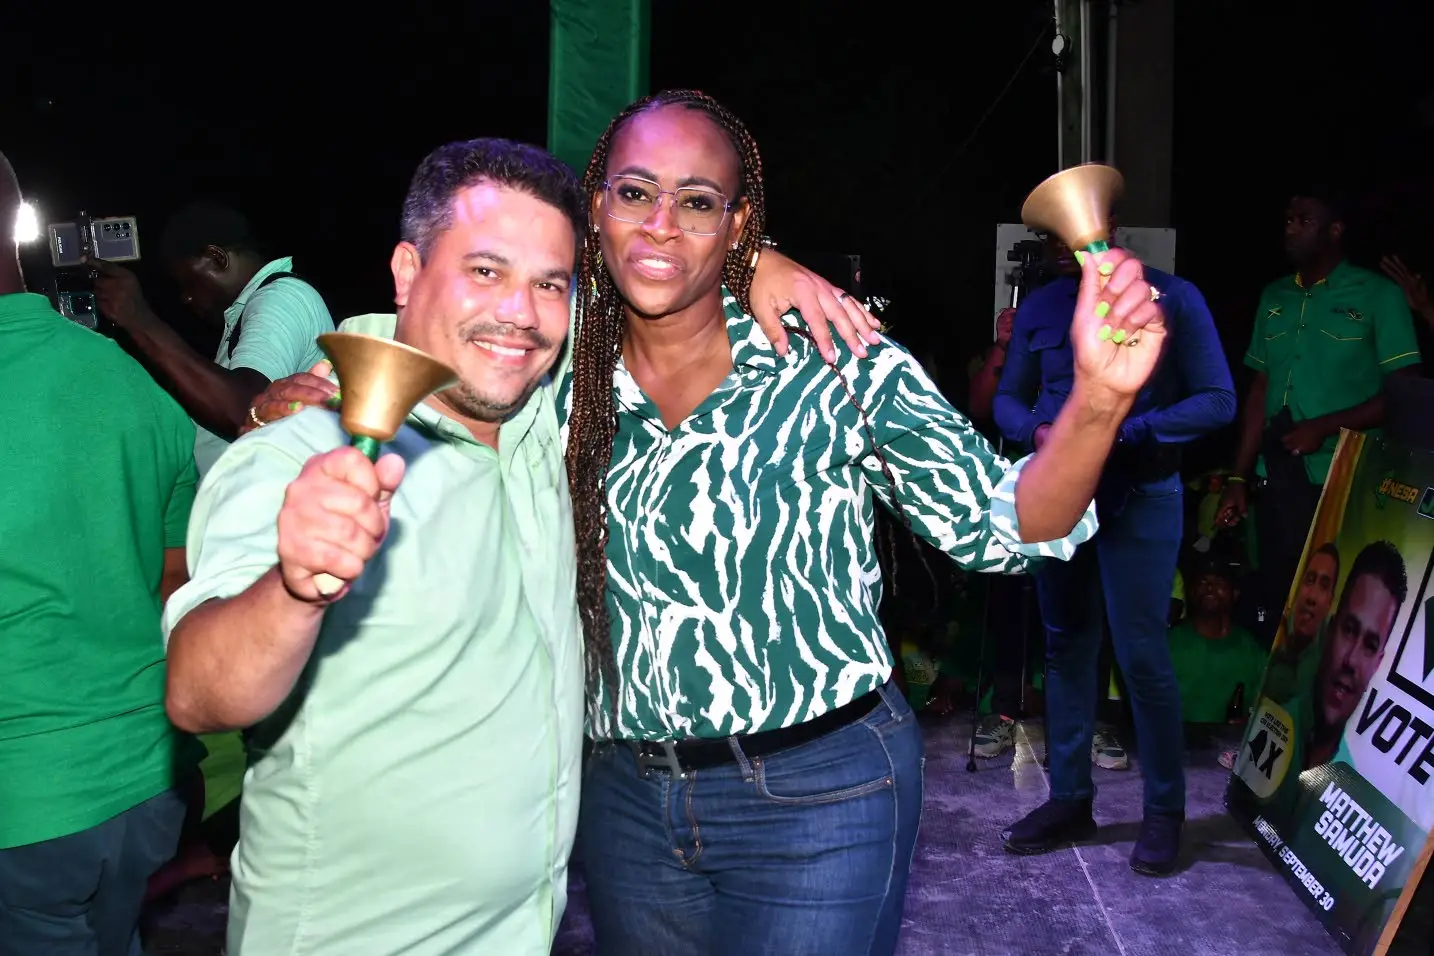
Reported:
(842, 765)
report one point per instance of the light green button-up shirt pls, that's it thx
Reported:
(418, 792)
(743, 583)
(282, 323)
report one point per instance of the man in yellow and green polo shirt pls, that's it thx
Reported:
(1324, 341)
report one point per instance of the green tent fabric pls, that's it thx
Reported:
(598, 64)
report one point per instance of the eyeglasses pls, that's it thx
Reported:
(695, 210)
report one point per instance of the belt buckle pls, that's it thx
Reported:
(666, 760)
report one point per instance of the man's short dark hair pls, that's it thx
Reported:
(202, 224)
(1382, 561)
(449, 169)
(1327, 194)
(1330, 550)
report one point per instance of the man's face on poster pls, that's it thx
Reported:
(1354, 647)
(1314, 597)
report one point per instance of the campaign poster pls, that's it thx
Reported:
(1333, 778)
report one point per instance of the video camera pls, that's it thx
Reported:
(114, 239)
(1030, 254)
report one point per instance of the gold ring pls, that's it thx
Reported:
(254, 417)
(1155, 294)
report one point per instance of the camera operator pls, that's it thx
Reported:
(270, 320)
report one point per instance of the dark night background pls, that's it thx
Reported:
(312, 125)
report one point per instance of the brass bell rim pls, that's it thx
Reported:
(1093, 178)
(351, 336)
(388, 380)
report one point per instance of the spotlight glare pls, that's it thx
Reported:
(27, 223)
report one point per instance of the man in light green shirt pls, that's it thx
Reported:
(417, 733)
(270, 330)
(269, 316)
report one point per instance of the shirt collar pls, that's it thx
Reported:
(1336, 277)
(236, 308)
(752, 355)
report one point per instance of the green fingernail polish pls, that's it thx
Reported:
(1118, 337)
(1102, 309)
(293, 406)
(1105, 333)
(1106, 268)
(1080, 257)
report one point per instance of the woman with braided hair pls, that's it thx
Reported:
(757, 781)
(755, 785)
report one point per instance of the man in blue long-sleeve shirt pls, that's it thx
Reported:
(1129, 564)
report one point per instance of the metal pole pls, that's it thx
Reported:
(1112, 44)
(1084, 42)
(1060, 101)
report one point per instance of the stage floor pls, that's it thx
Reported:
(970, 898)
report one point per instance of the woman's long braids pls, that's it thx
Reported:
(592, 422)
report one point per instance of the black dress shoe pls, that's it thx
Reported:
(1157, 849)
(1050, 826)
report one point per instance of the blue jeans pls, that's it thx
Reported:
(803, 852)
(80, 895)
(1127, 570)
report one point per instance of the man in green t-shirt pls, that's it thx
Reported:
(1216, 661)
(97, 471)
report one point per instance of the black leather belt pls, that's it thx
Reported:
(696, 753)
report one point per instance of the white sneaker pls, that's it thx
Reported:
(1107, 752)
(995, 735)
